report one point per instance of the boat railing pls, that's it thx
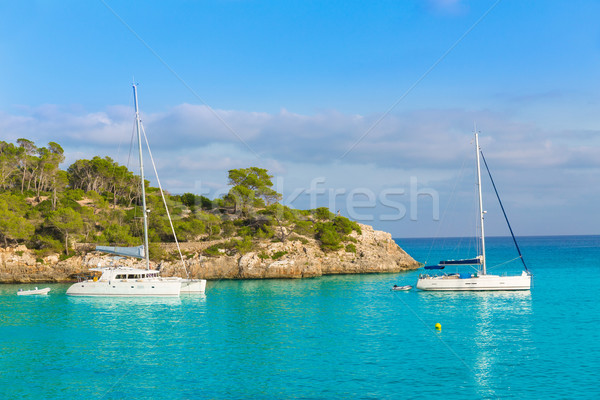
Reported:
(82, 278)
(441, 275)
(87, 277)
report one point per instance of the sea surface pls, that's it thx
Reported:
(324, 338)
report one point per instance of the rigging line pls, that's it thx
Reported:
(505, 262)
(418, 81)
(114, 167)
(438, 337)
(476, 219)
(136, 227)
(450, 201)
(131, 144)
(504, 212)
(132, 137)
(180, 79)
(228, 270)
(185, 310)
(225, 273)
(164, 200)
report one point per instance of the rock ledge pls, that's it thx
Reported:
(376, 252)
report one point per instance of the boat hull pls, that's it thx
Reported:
(474, 283)
(193, 286)
(127, 288)
(33, 292)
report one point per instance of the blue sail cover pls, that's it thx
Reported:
(137, 252)
(471, 261)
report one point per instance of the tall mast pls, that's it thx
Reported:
(481, 212)
(144, 209)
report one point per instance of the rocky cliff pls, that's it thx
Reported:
(373, 252)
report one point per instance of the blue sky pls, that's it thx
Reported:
(372, 104)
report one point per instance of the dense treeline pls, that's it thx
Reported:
(98, 201)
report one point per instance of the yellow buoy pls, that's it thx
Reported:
(438, 326)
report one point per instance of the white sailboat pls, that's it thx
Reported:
(126, 281)
(479, 280)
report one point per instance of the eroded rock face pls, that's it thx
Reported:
(376, 252)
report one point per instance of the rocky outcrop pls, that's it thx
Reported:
(372, 252)
(19, 264)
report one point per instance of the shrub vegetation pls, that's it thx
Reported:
(98, 201)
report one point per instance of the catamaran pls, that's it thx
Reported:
(479, 280)
(127, 281)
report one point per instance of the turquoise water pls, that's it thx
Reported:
(324, 338)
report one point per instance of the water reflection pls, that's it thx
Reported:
(478, 327)
(110, 303)
(314, 338)
(501, 318)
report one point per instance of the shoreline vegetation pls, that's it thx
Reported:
(53, 218)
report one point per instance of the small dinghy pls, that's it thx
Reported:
(405, 287)
(29, 292)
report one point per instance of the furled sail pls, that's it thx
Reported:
(471, 261)
(137, 252)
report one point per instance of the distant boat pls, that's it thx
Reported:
(126, 281)
(401, 288)
(480, 280)
(30, 292)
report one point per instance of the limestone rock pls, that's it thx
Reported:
(376, 252)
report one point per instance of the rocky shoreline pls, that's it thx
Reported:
(375, 252)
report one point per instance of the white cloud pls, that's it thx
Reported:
(536, 169)
(197, 138)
